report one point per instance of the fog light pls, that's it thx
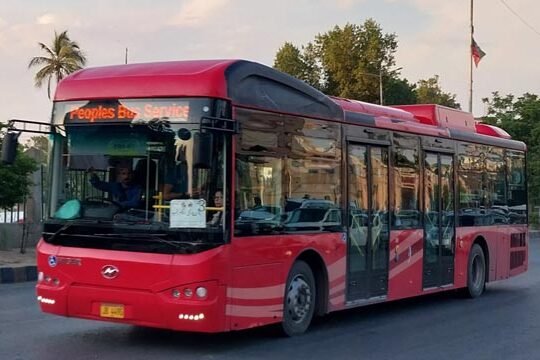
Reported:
(56, 282)
(201, 292)
(47, 279)
(176, 293)
(188, 292)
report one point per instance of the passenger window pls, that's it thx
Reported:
(517, 191)
(406, 211)
(287, 175)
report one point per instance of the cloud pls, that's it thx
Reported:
(442, 47)
(195, 13)
(346, 4)
(46, 19)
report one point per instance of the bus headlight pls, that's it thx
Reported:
(201, 292)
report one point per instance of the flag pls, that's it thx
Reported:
(477, 53)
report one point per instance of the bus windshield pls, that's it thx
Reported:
(125, 166)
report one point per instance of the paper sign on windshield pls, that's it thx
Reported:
(188, 213)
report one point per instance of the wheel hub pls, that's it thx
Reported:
(299, 299)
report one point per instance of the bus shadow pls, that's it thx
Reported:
(361, 318)
(343, 319)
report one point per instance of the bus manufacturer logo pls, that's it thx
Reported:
(109, 272)
(52, 261)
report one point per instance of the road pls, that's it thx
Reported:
(502, 324)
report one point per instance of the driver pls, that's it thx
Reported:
(123, 191)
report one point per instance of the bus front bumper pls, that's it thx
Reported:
(136, 307)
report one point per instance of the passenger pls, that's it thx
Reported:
(258, 203)
(175, 186)
(123, 191)
(217, 218)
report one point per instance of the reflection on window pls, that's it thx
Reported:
(517, 192)
(491, 185)
(287, 175)
(129, 174)
(406, 213)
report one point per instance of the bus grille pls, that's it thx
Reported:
(517, 240)
(517, 258)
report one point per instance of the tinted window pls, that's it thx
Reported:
(472, 191)
(287, 175)
(406, 183)
(517, 192)
(491, 186)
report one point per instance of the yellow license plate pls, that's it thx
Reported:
(111, 311)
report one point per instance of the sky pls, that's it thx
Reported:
(433, 38)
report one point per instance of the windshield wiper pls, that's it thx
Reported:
(59, 231)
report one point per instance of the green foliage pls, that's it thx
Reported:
(62, 58)
(520, 117)
(399, 92)
(302, 65)
(352, 61)
(289, 60)
(429, 92)
(15, 179)
(345, 62)
(40, 142)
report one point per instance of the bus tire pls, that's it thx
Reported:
(476, 272)
(299, 301)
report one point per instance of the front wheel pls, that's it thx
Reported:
(476, 272)
(299, 302)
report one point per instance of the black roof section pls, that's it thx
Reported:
(255, 85)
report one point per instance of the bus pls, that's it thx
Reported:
(220, 195)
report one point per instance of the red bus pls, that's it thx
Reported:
(220, 195)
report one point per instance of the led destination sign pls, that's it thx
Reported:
(127, 111)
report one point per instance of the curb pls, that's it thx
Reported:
(18, 274)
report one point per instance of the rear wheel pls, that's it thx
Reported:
(299, 302)
(476, 272)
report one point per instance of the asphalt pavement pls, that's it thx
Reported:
(504, 323)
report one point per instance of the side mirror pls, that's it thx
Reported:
(202, 150)
(9, 147)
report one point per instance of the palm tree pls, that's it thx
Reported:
(62, 58)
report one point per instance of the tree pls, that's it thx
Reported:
(289, 60)
(520, 117)
(353, 58)
(15, 179)
(37, 148)
(399, 92)
(345, 62)
(429, 92)
(61, 59)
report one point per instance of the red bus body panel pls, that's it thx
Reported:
(165, 79)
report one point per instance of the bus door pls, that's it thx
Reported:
(367, 226)
(439, 220)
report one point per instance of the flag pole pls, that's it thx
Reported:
(471, 62)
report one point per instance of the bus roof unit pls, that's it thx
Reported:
(441, 116)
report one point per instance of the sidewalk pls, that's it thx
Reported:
(17, 267)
